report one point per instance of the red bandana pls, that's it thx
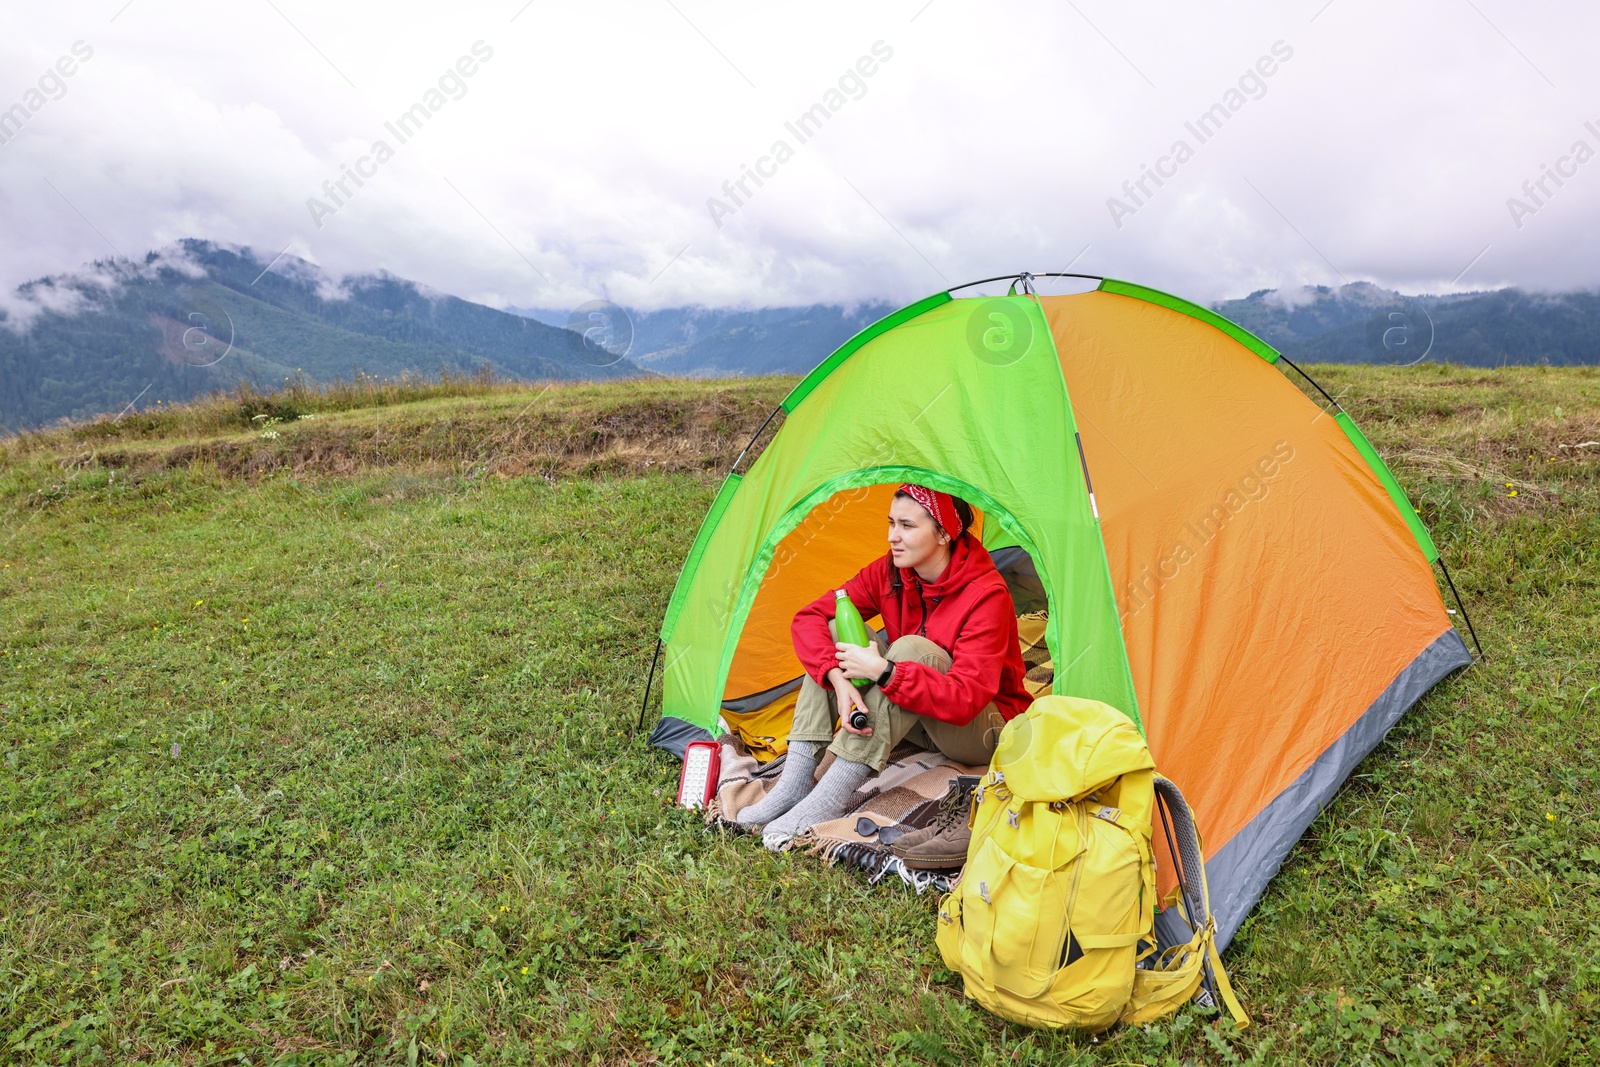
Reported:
(940, 505)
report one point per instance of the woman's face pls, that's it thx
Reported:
(914, 538)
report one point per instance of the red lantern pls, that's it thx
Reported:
(702, 764)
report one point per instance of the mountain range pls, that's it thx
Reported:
(716, 342)
(1355, 323)
(1363, 323)
(198, 316)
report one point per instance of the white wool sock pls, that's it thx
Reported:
(829, 800)
(795, 781)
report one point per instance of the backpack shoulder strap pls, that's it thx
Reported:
(1180, 970)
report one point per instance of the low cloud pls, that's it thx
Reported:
(20, 307)
(71, 292)
(574, 173)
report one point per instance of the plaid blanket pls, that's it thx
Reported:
(904, 797)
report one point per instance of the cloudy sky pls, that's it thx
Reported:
(559, 152)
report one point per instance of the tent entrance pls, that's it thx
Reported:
(836, 538)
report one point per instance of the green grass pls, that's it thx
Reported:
(309, 761)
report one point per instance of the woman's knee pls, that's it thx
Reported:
(914, 647)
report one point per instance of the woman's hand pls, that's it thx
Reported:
(858, 662)
(850, 701)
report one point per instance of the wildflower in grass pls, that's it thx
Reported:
(1549, 816)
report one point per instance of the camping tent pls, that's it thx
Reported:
(1217, 554)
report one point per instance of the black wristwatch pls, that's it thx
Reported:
(888, 672)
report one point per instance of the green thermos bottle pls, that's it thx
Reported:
(852, 630)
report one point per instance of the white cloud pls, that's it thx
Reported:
(578, 160)
(1293, 297)
(20, 307)
(68, 292)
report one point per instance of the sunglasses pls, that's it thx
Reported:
(887, 835)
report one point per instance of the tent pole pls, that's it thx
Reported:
(1017, 277)
(650, 681)
(1450, 581)
(1087, 484)
(1285, 359)
(754, 437)
(1457, 594)
(644, 705)
(983, 281)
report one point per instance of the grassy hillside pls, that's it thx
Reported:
(318, 747)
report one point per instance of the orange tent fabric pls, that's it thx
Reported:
(1210, 469)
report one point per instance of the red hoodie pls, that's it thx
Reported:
(968, 612)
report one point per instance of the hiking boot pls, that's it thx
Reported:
(942, 845)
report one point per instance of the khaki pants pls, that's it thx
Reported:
(816, 710)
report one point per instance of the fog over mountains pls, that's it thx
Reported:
(197, 316)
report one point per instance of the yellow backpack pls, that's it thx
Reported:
(1052, 921)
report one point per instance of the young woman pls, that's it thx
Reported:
(949, 679)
